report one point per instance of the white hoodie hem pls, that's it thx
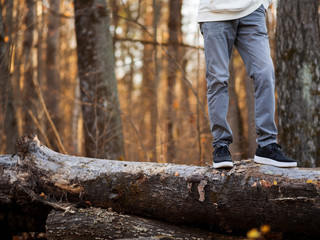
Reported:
(211, 16)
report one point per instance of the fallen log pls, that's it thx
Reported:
(97, 223)
(247, 196)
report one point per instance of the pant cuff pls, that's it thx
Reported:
(266, 142)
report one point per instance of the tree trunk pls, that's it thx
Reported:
(234, 114)
(247, 196)
(174, 26)
(98, 85)
(252, 136)
(149, 110)
(97, 223)
(53, 83)
(29, 95)
(41, 77)
(298, 79)
(8, 123)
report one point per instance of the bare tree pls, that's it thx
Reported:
(53, 83)
(149, 94)
(29, 104)
(8, 124)
(98, 85)
(298, 79)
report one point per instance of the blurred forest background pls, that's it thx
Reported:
(125, 79)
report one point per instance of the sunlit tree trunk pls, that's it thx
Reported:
(53, 83)
(148, 126)
(174, 27)
(234, 115)
(185, 119)
(251, 125)
(298, 79)
(41, 62)
(98, 85)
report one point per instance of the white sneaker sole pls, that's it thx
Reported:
(272, 162)
(223, 164)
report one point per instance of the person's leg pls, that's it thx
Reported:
(253, 45)
(218, 43)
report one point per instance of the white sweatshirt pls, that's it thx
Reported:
(221, 10)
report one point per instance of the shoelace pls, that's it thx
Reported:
(277, 147)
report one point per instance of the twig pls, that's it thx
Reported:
(35, 121)
(143, 41)
(38, 90)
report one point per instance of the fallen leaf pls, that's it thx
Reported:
(265, 183)
(309, 181)
(43, 195)
(253, 233)
(265, 229)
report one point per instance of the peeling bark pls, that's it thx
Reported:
(242, 198)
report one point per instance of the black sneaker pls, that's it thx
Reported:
(222, 157)
(272, 155)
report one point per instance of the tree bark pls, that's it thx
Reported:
(298, 79)
(97, 223)
(252, 136)
(149, 111)
(98, 85)
(8, 122)
(234, 114)
(28, 91)
(242, 198)
(174, 27)
(53, 83)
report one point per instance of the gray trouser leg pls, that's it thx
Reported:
(249, 35)
(219, 39)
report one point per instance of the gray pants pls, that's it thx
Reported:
(249, 35)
